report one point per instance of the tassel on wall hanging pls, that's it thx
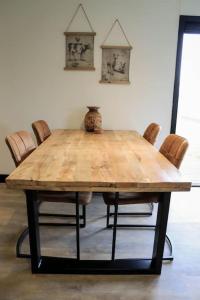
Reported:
(115, 60)
(79, 53)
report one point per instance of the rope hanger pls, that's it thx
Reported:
(80, 6)
(123, 32)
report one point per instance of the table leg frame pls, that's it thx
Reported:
(34, 235)
(58, 265)
(160, 231)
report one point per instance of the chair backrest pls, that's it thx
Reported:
(41, 130)
(152, 132)
(174, 148)
(21, 145)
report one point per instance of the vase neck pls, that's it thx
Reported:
(93, 108)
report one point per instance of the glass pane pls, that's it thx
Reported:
(188, 119)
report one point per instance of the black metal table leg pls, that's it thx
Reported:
(59, 265)
(77, 227)
(115, 226)
(160, 232)
(34, 236)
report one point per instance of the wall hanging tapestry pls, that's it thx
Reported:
(115, 60)
(79, 53)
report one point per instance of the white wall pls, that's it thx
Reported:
(190, 7)
(33, 84)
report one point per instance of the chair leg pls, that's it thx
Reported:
(115, 226)
(137, 214)
(151, 207)
(170, 257)
(84, 215)
(108, 216)
(25, 232)
(77, 227)
(19, 244)
(167, 239)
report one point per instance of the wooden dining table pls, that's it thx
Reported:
(113, 161)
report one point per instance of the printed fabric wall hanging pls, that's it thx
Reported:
(115, 61)
(79, 51)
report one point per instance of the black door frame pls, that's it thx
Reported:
(187, 24)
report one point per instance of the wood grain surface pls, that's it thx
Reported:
(74, 160)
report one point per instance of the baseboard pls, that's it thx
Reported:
(3, 177)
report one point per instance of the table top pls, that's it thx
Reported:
(74, 160)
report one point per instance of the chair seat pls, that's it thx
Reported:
(67, 197)
(131, 198)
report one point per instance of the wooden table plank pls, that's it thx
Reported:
(74, 160)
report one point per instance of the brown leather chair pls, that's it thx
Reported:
(173, 148)
(41, 130)
(21, 145)
(151, 133)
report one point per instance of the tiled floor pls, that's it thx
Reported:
(179, 280)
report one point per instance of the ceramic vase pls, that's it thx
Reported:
(93, 120)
